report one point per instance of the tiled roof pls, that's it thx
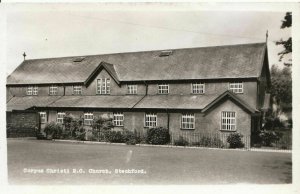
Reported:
(234, 61)
(189, 102)
(230, 95)
(23, 103)
(175, 101)
(97, 101)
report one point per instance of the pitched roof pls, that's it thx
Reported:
(97, 101)
(26, 102)
(232, 96)
(175, 101)
(234, 61)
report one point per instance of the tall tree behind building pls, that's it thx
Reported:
(287, 44)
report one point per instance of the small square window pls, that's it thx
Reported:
(53, 90)
(236, 87)
(198, 88)
(32, 90)
(132, 89)
(163, 88)
(77, 90)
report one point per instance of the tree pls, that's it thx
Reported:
(281, 84)
(287, 44)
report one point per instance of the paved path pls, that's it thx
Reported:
(48, 162)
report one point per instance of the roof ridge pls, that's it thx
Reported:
(156, 50)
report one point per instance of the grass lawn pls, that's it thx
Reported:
(162, 165)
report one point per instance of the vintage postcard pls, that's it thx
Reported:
(150, 94)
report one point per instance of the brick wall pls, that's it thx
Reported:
(22, 123)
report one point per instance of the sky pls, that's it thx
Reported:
(44, 31)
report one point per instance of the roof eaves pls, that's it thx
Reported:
(97, 69)
(231, 95)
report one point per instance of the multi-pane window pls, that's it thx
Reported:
(132, 89)
(236, 87)
(228, 121)
(35, 90)
(103, 86)
(118, 119)
(198, 88)
(88, 118)
(150, 120)
(43, 117)
(32, 90)
(53, 90)
(77, 90)
(60, 117)
(163, 88)
(188, 121)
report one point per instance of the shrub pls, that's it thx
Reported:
(181, 142)
(53, 130)
(269, 137)
(101, 128)
(80, 133)
(115, 137)
(158, 136)
(235, 140)
(130, 137)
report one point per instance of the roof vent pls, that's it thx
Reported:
(78, 59)
(165, 53)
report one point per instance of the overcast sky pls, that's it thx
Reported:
(45, 31)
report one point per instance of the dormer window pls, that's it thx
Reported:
(103, 86)
(236, 87)
(77, 90)
(32, 90)
(165, 53)
(78, 59)
(163, 89)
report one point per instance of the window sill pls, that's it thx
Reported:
(197, 93)
(222, 130)
(187, 129)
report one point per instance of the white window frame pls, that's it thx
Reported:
(188, 121)
(228, 121)
(29, 90)
(131, 88)
(150, 120)
(236, 87)
(53, 90)
(32, 90)
(60, 117)
(103, 86)
(77, 90)
(118, 119)
(163, 88)
(43, 117)
(88, 118)
(35, 90)
(198, 88)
